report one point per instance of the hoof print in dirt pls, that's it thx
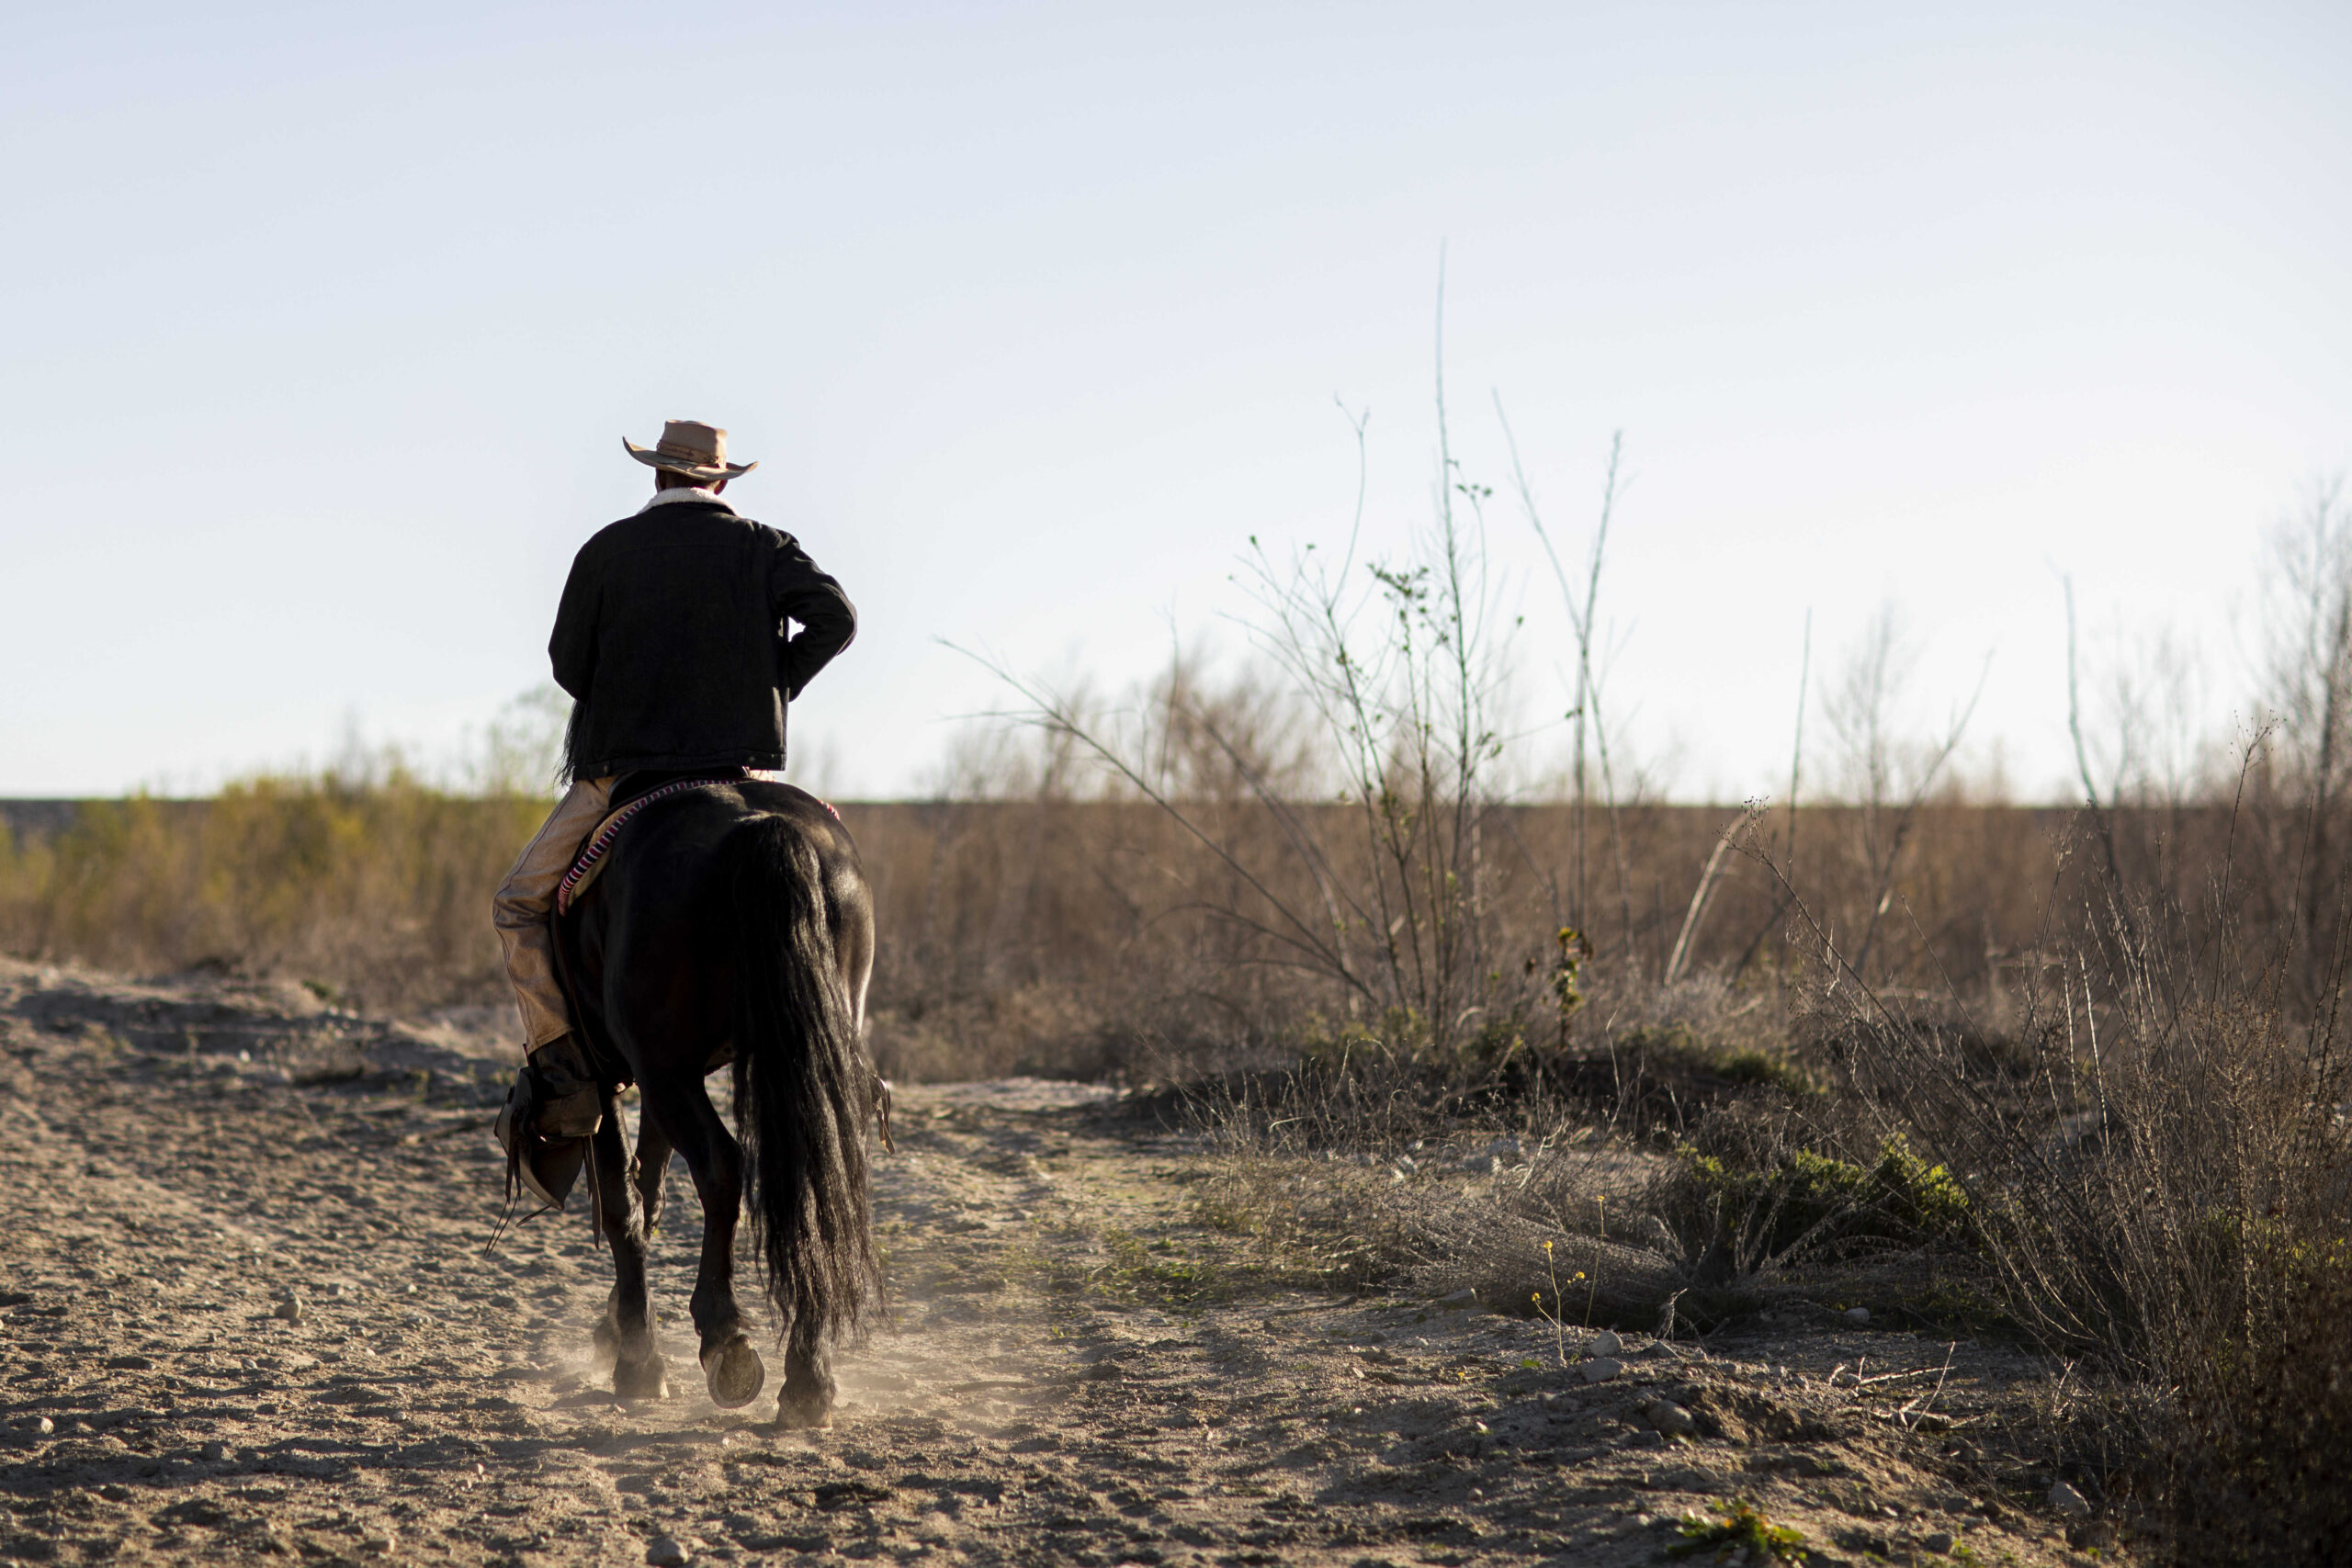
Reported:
(734, 1373)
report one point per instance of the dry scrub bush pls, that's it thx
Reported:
(1375, 903)
(2157, 1176)
(376, 890)
(2076, 1076)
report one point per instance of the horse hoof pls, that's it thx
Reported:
(648, 1379)
(734, 1371)
(799, 1405)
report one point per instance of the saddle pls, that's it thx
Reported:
(631, 794)
(635, 797)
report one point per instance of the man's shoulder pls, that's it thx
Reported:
(678, 524)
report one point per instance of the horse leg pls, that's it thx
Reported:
(606, 1335)
(730, 1365)
(624, 1332)
(807, 1397)
(652, 1163)
(648, 1165)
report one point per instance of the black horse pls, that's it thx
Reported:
(730, 923)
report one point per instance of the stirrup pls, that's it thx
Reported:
(547, 1140)
(551, 1170)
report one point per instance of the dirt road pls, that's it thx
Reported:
(249, 1314)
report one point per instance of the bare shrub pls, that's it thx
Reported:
(376, 888)
(2154, 1173)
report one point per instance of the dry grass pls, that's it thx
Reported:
(375, 891)
(2143, 1123)
(2146, 1170)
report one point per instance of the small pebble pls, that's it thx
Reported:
(663, 1552)
(1605, 1343)
(43, 1426)
(1939, 1542)
(1857, 1315)
(1600, 1369)
(215, 1449)
(2068, 1501)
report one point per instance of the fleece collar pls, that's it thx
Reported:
(663, 497)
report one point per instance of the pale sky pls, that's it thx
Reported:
(323, 324)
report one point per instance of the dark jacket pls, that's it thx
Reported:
(672, 640)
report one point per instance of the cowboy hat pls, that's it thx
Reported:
(690, 447)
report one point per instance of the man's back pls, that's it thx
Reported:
(669, 640)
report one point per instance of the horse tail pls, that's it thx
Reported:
(801, 1087)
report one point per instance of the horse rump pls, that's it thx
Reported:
(802, 1087)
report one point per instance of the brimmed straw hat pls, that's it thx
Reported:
(690, 447)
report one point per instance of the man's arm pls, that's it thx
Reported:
(828, 620)
(572, 648)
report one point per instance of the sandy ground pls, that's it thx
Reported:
(248, 1310)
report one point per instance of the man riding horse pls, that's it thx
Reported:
(672, 639)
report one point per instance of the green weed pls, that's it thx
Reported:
(1809, 1194)
(1137, 1269)
(1739, 1525)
